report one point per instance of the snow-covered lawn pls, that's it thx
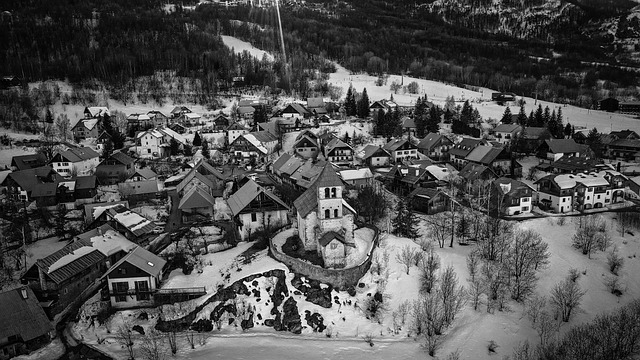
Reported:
(6, 154)
(240, 46)
(43, 248)
(152, 212)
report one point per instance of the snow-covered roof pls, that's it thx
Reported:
(172, 134)
(152, 132)
(439, 172)
(568, 181)
(89, 124)
(364, 173)
(192, 115)
(255, 142)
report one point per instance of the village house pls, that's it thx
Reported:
(374, 156)
(178, 128)
(102, 140)
(178, 111)
(285, 166)
(574, 165)
(403, 179)
(495, 158)
(158, 119)
(58, 279)
(86, 129)
(24, 326)
(20, 184)
(246, 113)
(316, 106)
(116, 168)
(137, 122)
(221, 122)
(75, 161)
(511, 197)
(189, 119)
(409, 126)
(129, 223)
(569, 192)
(234, 131)
(554, 149)
(78, 190)
(458, 152)
(357, 178)
(429, 200)
(254, 208)
(93, 112)
(295, 111)
(152, 144)
(338, 152)
(325, 219)
(197, 191)
(624, 149)
(25, 162)
(136, 191)
(142, 175)
(132, 281)
(401, 149)
(257, 144)
(530, 139)
(384, 105)
(306, 145)
(475, 177)
(504, 133)
(435, 146)
(306, 174)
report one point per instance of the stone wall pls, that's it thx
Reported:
(338, 278)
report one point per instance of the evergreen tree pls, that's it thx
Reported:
(594, 142)
(107, 148)
(532, 120)
(406, 222)
(399, 221)
(174, 146)
(260, 115)
(205, 149)
(448, 116)
(466, 115)
(538, 117)
(568, 130)
(411, 224)
(61, 213)
(346, 139)
(363, 105)
(381, 121)
(546, 116)
(49, 117)
(559, 118)
(552, 125)
(433, 121)
(522, 117)
(560, 125)
(420, 117)
(350, 105)
(506, 116)
(197, 141)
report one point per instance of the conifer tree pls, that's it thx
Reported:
(205, 149)
(399, 221)
(381, 123)
(420, 117)
(363, 105)
(350, 105)
(433, 121)
(522, 117)
(197, 141)
(568, 130)
(546, 116)
(538, 117)
(506, 116)
(532, 120)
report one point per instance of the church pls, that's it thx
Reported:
(325, 220)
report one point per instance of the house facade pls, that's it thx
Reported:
(554, 149)
(254, 208)
(75, 161)
(257, 144)
(401, 149)
(338, 152)
(134, 279)
(306, 146)
(116, 168)
(429, 201)
(151, 144)
(375, 156)
(234, 131)
(505, 133)
(435, 146)
(512, 197)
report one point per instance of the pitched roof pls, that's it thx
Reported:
(303, 138)
(78, 154)
(329, 236)
(568, 181)
(97, 111)
(307, 173)
(31, 161)
(174, 135)
(264, 136)
(309, 199)
(298, 108)
(86, 250)
(484, 154)
(143, 260)
(139, 187)
(624, 134)
(408, 123)
(87, 123)
(512, 187)
(44, 190)
(364, 173)
(536, 133)
(335, 143)
(472, 172)
(196, 198)
(394, 144)
(632, 143)
(246, 194)
(235, 126)
(563, 146)
(507, 128)
(280, 161)
(137, 224)
(22, 316)
(122, 158)
(464, 147)
(425, 192)
(307, 133)
(315, 102)
(28, 179)
(370, 150)
(431, 139)
(575, 163)
(145, 173)
(86, 182)
(441, 173)
(246, 110)
(154, 113)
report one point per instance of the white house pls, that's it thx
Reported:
(151, 144)
(255, 208)
(234, 131)
(258, 144)
(504, 133)
(401, 149)
(75, 161)
(134, 278)
(325, 220)
(358, 178)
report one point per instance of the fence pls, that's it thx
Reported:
(338, 278)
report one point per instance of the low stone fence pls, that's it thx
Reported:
(338, 278)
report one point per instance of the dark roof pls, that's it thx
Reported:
(196, 198)
(624, 134)
(143, 260)
(122, 158)
(409, 123)
(146, 173)
(395, 144)
(143, 187)
(464, 147)
(335, 143)
(23, 317)
(536, 133)
(86, 182)
(414, 174)
(329, 236)
(575, 163)
(25, 162)
(309, 199)
(632, 143)
(264, 136)
(307, 133)
(511, 187)
(89, 256)
(305, 137)
(472, 172)
(425, 192)
(28, 179)
(44, 190)
(246, 194)
(431, 140)
(507, 128)
(281, 161)
(235, 126)
(77, 154)
(370, 150)
(484, 154)
(298, 108)
(563, 146)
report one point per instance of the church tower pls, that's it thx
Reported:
(329, 193)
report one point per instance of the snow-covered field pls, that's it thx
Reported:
(240, 46)
(43, 248)
(6, 154)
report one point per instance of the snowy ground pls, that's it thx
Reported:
(240, 46)
(152, 212)
(43, 248)
(6, 154)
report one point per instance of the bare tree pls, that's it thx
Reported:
(428, 266)
(451, 294)
(527, 254)
(438, 228)
(405, 257)
(494, 240)
(615, 261)
(473, 261)
(565, 298)
(63, 126)
(428, 321)
(476, 289)
(534, 307)
(495, 281)
(173, 341)
(124, 337)
(152, 346)
(591, 235)
(545, 327)
(191, 339)
(400, 315)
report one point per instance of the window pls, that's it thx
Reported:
(525, 208)
(254, 217)
(335, 213)
(334, 246)
(598, 197)
(122, 271)
(333, 192)
(148, 151)
(326, 192)
(142, 290)
(327, 214)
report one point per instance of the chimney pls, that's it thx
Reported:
(23, 293)
(100, 231)
(417, 172)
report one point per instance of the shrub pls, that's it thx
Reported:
(615, 261)
(613, 284)
(492, 346)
